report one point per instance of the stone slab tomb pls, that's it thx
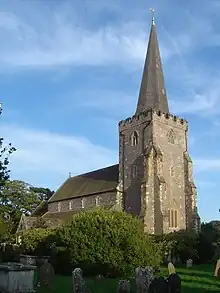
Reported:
(16, 277)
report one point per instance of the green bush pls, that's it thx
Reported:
(38, 241)
(108, 242)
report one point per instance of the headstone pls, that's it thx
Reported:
(158, 285)
(217, 269)
(78, 283)
(124, 286)
(171, 268)
(189, 263)
(144, 277)
(174, 283)
(46, 275)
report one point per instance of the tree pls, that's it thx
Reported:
(5, 152)
(108, 242)
(42, 193)
(17, 198)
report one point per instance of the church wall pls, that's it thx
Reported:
(131, 161)
(172, 166)
(76, 204)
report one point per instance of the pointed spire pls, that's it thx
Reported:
(152, 92)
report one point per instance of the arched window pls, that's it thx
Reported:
(97, 201)
(59, 206)
(83, 202)
(71, 205)
(172, 218)
(171, 136)
(134, 138)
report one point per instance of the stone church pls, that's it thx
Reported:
(154, 177)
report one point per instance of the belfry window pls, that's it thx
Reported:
(134, 138)
(59, 206)
(172, 218)
(171, 136)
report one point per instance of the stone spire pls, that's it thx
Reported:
(152, 92)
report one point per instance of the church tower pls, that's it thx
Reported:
(155, 169)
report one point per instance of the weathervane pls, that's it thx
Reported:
(152, 11)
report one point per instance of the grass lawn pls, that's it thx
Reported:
(199, 279)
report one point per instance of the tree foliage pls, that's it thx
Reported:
(110, 238)
(17, 198)
(37, 241)
(42, 193)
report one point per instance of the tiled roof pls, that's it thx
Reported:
(95, 182)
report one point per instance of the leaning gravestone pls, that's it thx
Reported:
(144, 277)
(189, 263)
(46, 275)
(124, 286)
(171, 268)
(78, 282)
(217, 269)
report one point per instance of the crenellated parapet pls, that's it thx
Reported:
(152, 114)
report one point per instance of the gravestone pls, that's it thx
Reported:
(171, 268)
(174, 283)
(189, 263)
(217, 269)
(78, 282)
(124, 286)
(144, 277)
(158, 285)
(46, 275)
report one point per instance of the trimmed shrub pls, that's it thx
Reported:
(38, 241)
(109, 242)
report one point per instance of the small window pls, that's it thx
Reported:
(171, 137)
(171, 171)
(71, 205)
(134, 171)
(83, 202)
(59, 206)
(134, 138)
(97, 201)
(172, 218)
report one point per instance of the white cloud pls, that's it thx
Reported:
(44, 155)
(67, 43)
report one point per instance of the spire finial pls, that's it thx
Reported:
(70, 175)
(152, 12)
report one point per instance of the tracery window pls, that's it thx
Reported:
(172, 218)
(171, 136)
(134, 138)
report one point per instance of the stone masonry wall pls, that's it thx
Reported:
(105, 200)
(172, 166)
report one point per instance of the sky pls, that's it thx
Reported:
(71, 70)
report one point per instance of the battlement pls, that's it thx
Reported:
(149, 115)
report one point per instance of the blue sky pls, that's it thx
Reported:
(70, 70)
